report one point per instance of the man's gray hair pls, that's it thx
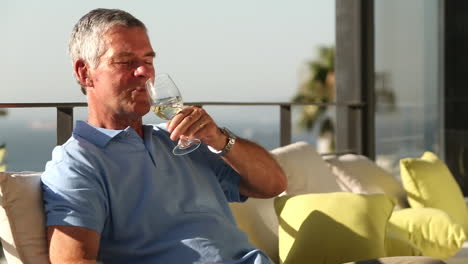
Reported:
(86, 41)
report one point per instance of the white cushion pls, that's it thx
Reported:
(22, 228)
(306, 170)
(358, 174)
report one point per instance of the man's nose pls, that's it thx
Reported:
(144, 71)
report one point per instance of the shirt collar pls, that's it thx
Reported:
(96, 135)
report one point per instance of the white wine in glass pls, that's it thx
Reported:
(166, 102)
(168, 107)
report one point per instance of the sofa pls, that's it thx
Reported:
(330, 180)
(310, 177)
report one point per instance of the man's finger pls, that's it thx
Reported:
(185, 123)
(174, 122)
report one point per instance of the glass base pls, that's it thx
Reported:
(186, 146)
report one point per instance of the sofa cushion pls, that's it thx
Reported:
(314, 227)
(358, 174)
(429, 229)
(402, 260)
(307, 172)
(429, 183)
(257, 218)
(22, 218)
(397, 244)
(461, 257)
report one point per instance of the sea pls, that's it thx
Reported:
(30, 136)
(30, 141)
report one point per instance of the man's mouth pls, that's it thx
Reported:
(140, 88)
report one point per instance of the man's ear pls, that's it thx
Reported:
(82, 73)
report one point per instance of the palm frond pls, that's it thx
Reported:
(317, 88)
(2, 156)
(2, 152)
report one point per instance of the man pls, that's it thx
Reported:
(115, 193)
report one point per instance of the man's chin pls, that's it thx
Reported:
(142, 110)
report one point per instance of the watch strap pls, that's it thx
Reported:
(230, 142)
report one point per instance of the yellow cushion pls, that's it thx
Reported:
(397, 244)
(331, 228)
(429, 229)
(429, 183)
(257, 218)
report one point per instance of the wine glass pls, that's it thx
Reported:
(166, 102)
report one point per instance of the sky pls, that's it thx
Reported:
(215, 50)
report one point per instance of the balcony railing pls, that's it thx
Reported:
(65, 114)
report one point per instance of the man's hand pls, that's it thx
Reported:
(261, 176)
(194, 122)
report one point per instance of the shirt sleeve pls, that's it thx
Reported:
(227, 177)
(73, 193)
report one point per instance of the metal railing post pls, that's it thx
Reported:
(64, 124)
(285, 125)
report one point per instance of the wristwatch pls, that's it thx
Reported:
(229, 144)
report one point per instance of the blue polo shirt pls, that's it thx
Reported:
(148, 205)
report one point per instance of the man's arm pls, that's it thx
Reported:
(72, 245)
(261, 176)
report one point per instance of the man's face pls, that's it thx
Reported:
(118, 82)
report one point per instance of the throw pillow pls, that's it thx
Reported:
(358, 174)
(332, 227)
(307, 172)
(22, 218)
(428, 229)
(397, 244)
(429, 183)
